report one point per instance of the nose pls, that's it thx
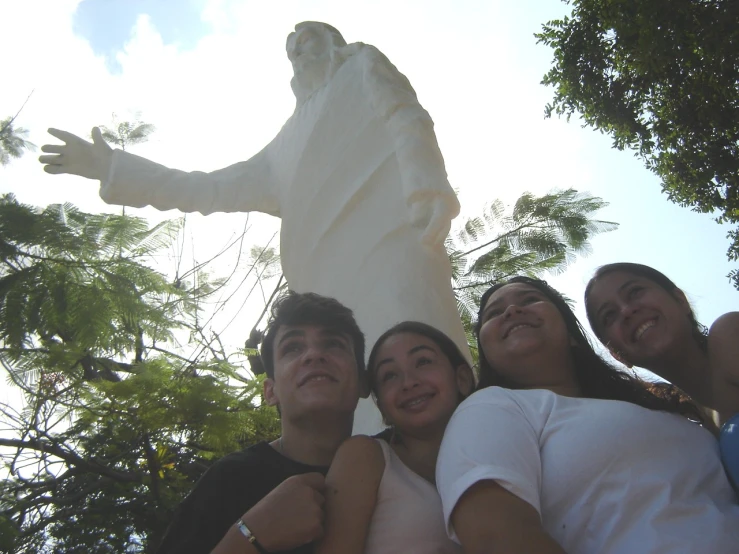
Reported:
(510, 310)
(626, 309)
(314, 353)
(410, 379)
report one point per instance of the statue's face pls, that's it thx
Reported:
(306, 45)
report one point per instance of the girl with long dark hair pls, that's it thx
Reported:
(646, 320)
(380, 493)
(561, 452)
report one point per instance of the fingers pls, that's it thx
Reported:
(97, 135)
(54, 169)
(63, 135)
(55, 148)
(53, 160)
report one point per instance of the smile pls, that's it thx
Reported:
(416, 401)
(517, 328)
(315, 378)
(643, 328)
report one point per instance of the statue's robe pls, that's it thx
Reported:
(334, 177)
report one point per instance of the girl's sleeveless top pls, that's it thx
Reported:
(408, 518)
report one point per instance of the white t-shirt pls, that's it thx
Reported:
(607, 477)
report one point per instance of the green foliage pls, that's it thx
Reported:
(117, 424)
(13, 141)
(539, 234)
(127, 133)
(660, 77)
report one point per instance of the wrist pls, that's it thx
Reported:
(249, 535)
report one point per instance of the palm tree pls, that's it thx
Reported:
(539, 235)
(127, 133)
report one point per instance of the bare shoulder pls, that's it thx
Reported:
(726, 327)
(360, 451)
(723, 347)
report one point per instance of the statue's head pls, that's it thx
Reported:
(315, 51)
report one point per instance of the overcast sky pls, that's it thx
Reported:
(213, 77)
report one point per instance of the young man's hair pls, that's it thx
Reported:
(309, 308)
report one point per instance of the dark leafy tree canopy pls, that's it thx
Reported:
(116, 423)
(660, 77)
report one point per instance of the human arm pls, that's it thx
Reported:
(130, 180)
(490, 520)
(489, 475)
(288, 517)
(723, 353)
(351, 496)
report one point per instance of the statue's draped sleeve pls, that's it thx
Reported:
(411, 128)
(241, 187)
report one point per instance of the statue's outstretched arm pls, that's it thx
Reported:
(429, 196)
(130, 180)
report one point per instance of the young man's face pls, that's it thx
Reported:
(315, 372)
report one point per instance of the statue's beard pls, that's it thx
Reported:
(312, 72)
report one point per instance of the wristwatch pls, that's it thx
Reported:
(241, 526)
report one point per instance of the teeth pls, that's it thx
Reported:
(417, 401)
(517, 327)
(642, 328)
(317, 378)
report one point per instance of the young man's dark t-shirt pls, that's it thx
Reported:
(232, 486)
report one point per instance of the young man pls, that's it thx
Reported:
(269, 497)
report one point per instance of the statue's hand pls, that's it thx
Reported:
(77, 156)
(432, 215)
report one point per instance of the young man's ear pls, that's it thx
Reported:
(268, 387)
(465, 379)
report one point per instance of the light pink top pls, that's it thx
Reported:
(408, 518)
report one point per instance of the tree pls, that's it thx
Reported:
(539, 235)
(119, 419)
(660, 77)
(13, 143)
(127, 133)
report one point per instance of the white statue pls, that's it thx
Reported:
(355, 173)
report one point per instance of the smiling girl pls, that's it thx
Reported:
(380, 494)
(646, 321)
(561, 452)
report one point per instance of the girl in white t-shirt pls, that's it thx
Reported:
(380, 492)
(646, 320)
(563, 453)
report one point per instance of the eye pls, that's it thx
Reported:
(495, 312)
(387, 376)
(336, 343)
(607, 318)
(291, 347)
(530, 299)
(635, 292)
(423, 360)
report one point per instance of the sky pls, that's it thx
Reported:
(212, 76)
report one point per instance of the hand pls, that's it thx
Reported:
(291, 515)
(431, 214)
(77, 156)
